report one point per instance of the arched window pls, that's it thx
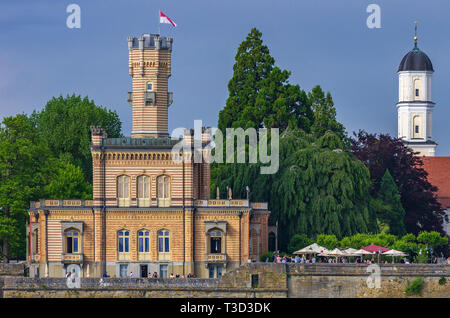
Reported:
(163, 245)
(123, 244)
(143, 191)
(143, 245)
(215, 242)
(123, 190)
(163, 191)
(72, 240)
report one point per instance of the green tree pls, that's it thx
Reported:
(66, 181)
(328, 241)
(21, 155)
(299, 241)
(325, 115)
(432, 239)
(64, 123)
(318, 188)
(392, 213)
(259, 92)
(253, 64)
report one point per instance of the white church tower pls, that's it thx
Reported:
(414, 105)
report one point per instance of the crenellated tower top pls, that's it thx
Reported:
(150, 69)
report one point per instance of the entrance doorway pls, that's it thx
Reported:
(144, 271)
(215, 271)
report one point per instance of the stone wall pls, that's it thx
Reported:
(250, 280)
(355, 280)
(12, 269)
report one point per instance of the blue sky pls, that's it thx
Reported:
(323, 42)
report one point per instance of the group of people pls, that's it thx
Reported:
(276, 258)
(155, 275)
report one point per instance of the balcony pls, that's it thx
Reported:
(72, 258)
(163, 256)
(217, 258)
(150, 98)
(130, 97)
(124, 256)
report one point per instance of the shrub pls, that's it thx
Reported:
(415, 288)
(266, 255)
(299, 241)
(422, 258)
(442, 281)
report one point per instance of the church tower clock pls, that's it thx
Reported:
(415, 106)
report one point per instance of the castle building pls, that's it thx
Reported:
(149, 212)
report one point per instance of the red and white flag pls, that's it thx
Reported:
(165, 19)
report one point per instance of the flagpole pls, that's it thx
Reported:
(159, 22)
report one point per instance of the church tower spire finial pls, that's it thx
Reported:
(415, 33)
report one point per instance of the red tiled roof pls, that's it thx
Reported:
(438, 169)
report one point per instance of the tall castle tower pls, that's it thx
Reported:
(414, 105)
(150, 69)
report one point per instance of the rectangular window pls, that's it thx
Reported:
(166, 244)
(417, 129)
(120, 245)
(75, 244)
(216, 245)
(417, 92)
(126, 244)
(160, 244)
(69, 245)
(147, 245)
(141, 245)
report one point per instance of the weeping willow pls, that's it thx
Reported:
(319, 187)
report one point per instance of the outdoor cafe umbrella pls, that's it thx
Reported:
(375, 248)
(311, 249)
(336, 252)
(394, 253)
(362, 252)
(350, 252)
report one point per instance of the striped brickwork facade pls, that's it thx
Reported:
(149, 65)
(185, 212)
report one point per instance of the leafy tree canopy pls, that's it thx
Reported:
(319, 188)
(418, 196)
(391, 212)
(260, 94)
(64, 123)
